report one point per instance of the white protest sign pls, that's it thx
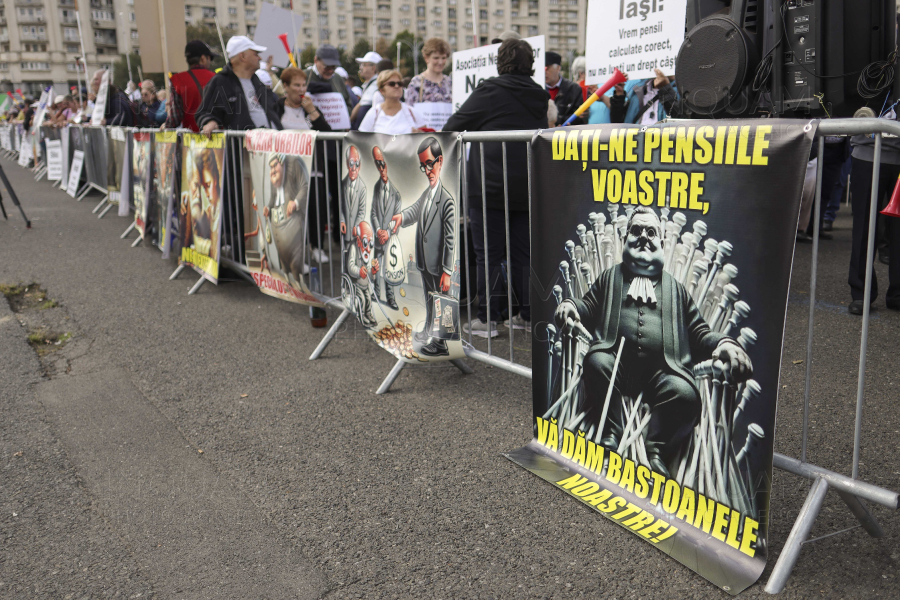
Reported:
(272, 22)
(25, 150)
(64, 146)
(434, 114)
(54, 160)
(75, 172)
(333, 108)
(634, 36)
(471, 67)
(100, 102)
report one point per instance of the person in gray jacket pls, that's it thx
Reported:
(385, 205)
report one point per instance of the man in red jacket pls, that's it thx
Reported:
(187, 87)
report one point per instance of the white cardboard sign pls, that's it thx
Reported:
(471, 67)
(54, 160)
(75, 173)
(274, 21)
(634, 36)
(333, 108)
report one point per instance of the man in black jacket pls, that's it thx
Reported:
(565, 94)
(235, 98)
(510, 101)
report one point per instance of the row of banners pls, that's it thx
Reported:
(655, 377)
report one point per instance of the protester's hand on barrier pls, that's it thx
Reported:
(660, 81)
(382, 236)
(266, 211)
(363, 274)
(291, 207)
(396, 222)
(736, 358)
(565, 311)
(210, 127)
(375, 266)
(445, 282)
(343, 228)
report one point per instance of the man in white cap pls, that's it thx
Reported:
(235, 98)
(368, 73)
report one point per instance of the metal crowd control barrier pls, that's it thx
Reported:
(471, 352)
(850, 489)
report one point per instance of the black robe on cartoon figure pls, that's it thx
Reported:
(665, 335)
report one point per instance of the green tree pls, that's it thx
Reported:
(208, 34)
(306, 57)
(407, 60)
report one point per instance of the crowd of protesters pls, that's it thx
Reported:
(249, 93)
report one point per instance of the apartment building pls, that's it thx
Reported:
(39, 39)
(342, 22)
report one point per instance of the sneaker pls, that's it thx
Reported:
(517, 322)
(856, 307)
(319, 255)
(480, 328)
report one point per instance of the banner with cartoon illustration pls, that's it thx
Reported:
(200, 207)
(661, 261)
(141, 167)
(165, 182)
(275, 212)
(399, 221)
(114, 161)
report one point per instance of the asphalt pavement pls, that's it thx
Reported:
(184, 447)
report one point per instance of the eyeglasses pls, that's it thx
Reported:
(428, 165)
(353, 164)
(393, 84)
(637, 230)
(380, 164)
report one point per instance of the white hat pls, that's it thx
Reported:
(59, 98)
(264, 77)
(239, 43)
(370, 57)
(342, 72)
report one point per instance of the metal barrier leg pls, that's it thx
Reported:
(862, 514)
(108, 208)
(391, 378)
(79, 196)
(137, 241)
(99, 206)
(802, 526)
(197, 286)
(330, 334)
(127, 231)
(176, 272)
(459, 364)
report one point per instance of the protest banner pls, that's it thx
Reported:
(633, 36)
(26, 150)
(679, 449)
(141, 167)
(399, 216)
(333, 108)
(75, 173)
(115, 158)
(276, 211)
(66, 157)
(100, 102)
(165, 180)
(272, 22)
(472, 66)
(200, 208)
(54, 159)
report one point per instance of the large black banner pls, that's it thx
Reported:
(660, 270)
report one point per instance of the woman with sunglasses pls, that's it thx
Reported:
(391, 116)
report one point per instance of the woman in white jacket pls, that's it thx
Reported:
(391, 116)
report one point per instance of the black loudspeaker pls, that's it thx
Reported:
(720, 55)
(808, 54)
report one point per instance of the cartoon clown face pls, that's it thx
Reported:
(365, 240)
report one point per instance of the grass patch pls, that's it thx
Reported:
(12, 290)
(44, 342)
(48, 304)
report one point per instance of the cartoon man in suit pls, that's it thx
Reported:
(385, 205)
(353, 203)
(435, 214)
(290, 188)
